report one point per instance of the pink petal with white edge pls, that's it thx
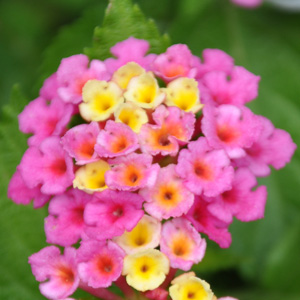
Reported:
(72, 74)
(129, 50)
(173, 127)
(111, 213)
(177, 61)
(100, 263)
(44, 120)
(20, 193)
(168, 197)
(80, 141)
(65, 224)
(115, 140)
(205, 222)
(131, 172)
(204, 170)
(181, 242)
(47, 165)
(241, 201)
(230, 128)
(59, 270)
(273, 147)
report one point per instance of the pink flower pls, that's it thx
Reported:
(49, 89)
(115, 140)
(247, 3)
(178, 61)
(168, 197)
(72, 74)
(111, 213)
(241, 201)
(182, 244)
(131, 172)
(129, 50)
(205, 222)
(100, 263)
(242, 87)
(230, 128)
(44, 120)
(80, 141)
(173, 127)
(20, 193)
(273, 147)
(60, 271)
(47, 166)
(204, 170)
(65, 225)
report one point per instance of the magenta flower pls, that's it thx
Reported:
(204, 170)
(130, 50)
(80, 141)
(52, 119)
(58, 273)
(131, 172)
(72, 74)
(241, 201)
(20, 193)
(207, 223)
(168, 197)
(115, 140)
(266, 151)
(47, 165)
(181, 242)
(100, 263)
(65, 224)
(177, 61)
(49, 89)
(111, 213)
(230, 128)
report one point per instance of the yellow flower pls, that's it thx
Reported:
(184, 93)
(100, 100)
(146, 270)
(144, 91)
(90, 177)
(188, 287)
(146, 234)
(123, 75)
(131, 115)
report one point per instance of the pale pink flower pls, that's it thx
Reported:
(80, 141)
(49, 89)
(172, 128)
(44, 119)
(241, 201)
(65, 225)
(177, 61)
(20, 193)
(130, 50)
(111, 213)
(115, 140)
(274, 147)
(58, 273)
(131, 172)
(205, 222)
(204, 170)
(230, 128)
(247, 3)
(168, 197)
(181, 242)
(47, 166)
(100, 263)
(72, 74)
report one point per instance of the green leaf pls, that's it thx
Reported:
(21, 231)
(122, 20)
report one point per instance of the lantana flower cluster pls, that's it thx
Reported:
(140, 158)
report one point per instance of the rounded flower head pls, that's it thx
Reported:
(146, 270)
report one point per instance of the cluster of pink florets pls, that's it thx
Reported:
(146, 166)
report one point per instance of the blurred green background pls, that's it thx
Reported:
(264, 259)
